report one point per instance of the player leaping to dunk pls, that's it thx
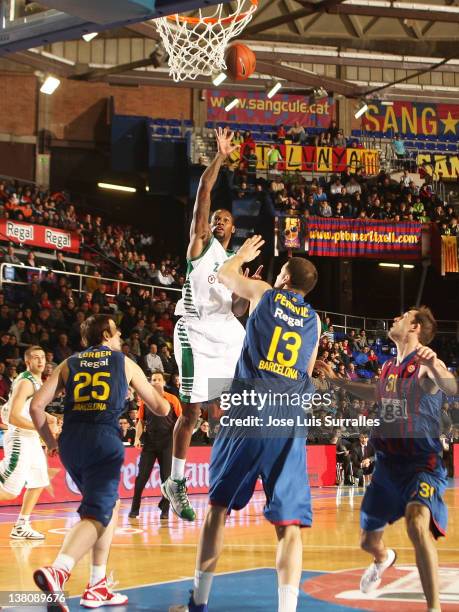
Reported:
(208, 337)
(409, 477)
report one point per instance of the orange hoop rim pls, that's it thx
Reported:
(212, 20)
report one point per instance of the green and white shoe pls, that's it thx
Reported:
(175, 492)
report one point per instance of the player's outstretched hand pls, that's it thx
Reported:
(426, 356)
(256, 275)
(224, 144)
(326, 368)
(251, 248)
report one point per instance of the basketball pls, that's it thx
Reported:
(240, 62)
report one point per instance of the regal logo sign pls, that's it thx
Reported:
(40, 236)
(320, 465)
(21, 233)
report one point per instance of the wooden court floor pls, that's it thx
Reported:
(148, 552)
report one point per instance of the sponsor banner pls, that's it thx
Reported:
(39, 235)
(438, 165)
(351, 237)
(318, 159)
(321, 470)
(410, 118)
(255, 107)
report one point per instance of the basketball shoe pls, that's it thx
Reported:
(52, 580)
(24, 531)
(101, 594)
(191, 607)
(372, 576)
(175, 492)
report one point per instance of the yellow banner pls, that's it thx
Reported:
(439, 165)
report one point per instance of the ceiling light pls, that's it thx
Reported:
(88, 37)
(362, 109)
(274, 89)
(218, 80)
(232, 104)
(387, 103)
(116, 187)
(50, 85)
(394, 265)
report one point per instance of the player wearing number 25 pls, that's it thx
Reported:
(96, 384)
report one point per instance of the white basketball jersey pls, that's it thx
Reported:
(203, 297)
(25, 412)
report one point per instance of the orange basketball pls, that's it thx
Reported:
(240, 62)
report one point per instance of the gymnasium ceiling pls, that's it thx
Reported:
(291, 35)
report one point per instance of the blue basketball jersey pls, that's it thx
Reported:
(281, 335)
(96, 388)
(410, 418)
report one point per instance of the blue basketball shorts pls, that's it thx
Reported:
(93, 456)
(395, 484)
(238, 462)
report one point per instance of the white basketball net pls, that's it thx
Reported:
(196, 46)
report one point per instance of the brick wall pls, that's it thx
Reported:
(78, 111)
(18, 104)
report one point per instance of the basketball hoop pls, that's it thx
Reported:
(196, 45)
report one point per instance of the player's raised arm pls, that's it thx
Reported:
(364, 391)
(22, 392)
(138, 381)
(44, 396)
(200, 233)
(230, 272)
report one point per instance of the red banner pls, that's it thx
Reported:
(321, 470)
(356, 238)
(39, 235)
(255, 107)
(410, 118)
(350, 237)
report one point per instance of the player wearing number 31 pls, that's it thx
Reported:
(409, 477)
(96, 384)
(278, 355)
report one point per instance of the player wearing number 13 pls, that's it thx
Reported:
(278, 356)
(96, 383)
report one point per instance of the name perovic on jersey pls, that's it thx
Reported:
(203, 297)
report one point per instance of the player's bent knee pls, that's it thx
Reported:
(191, 413)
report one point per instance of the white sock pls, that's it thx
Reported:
(23, 518)
(178, 469)
(64, 562)
(202, 585)
(97, 573)
(288, 598)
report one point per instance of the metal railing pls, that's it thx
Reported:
(340, 321)
(116, 285)
(377, 325)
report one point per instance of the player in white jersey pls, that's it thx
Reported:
(208, 337)
(24, 463)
